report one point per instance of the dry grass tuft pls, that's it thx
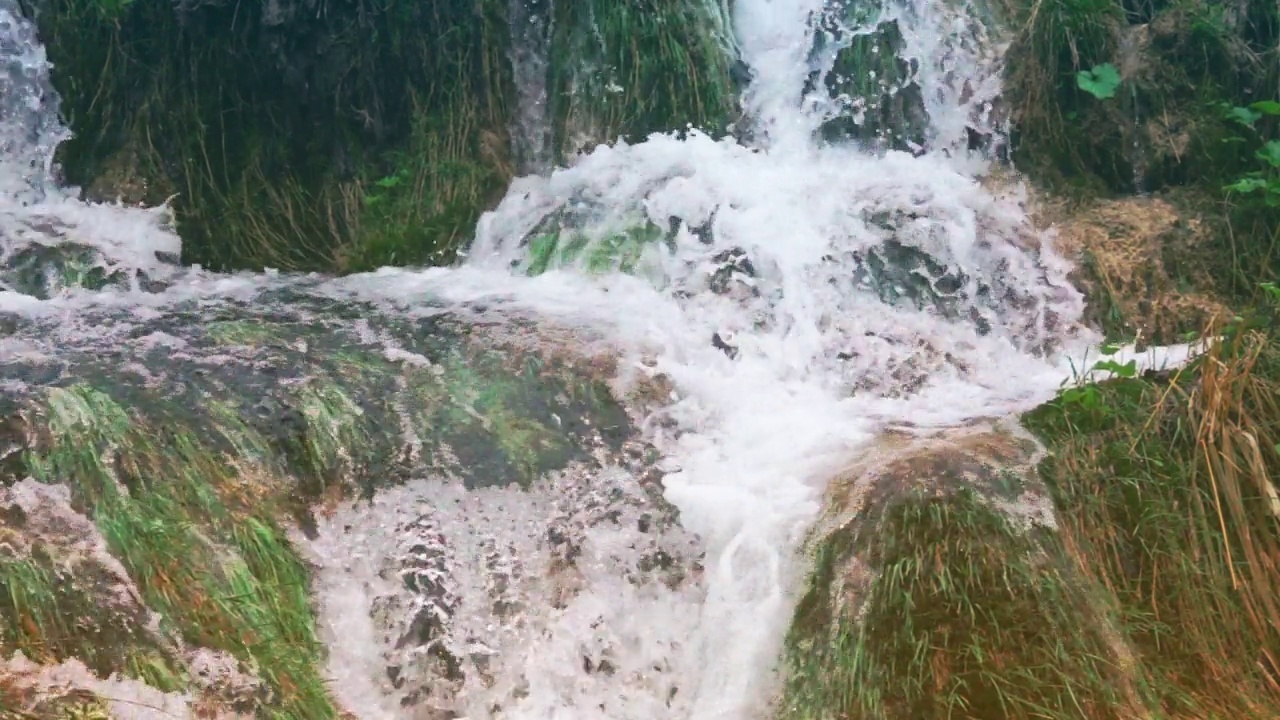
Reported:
(1139, 263)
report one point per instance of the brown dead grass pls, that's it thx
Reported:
(1139, 263)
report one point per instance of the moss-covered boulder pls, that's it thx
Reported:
(943, 587)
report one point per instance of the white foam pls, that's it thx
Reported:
(758, 434)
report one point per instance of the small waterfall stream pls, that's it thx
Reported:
(779, 304)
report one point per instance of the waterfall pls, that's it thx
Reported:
(30, 129)
(530, 22)
(799, 297)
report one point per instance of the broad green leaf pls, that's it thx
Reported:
(1243, 115)
(1100, 82)
(1247, 185)
(1267, 107)
(1270, 153)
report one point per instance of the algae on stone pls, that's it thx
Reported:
(879, 100)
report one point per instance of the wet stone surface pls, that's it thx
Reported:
(327, 386)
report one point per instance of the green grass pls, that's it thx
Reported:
(628, 69)
(1165, 490)
(374, 133)
(204, 549)
(1158, 595)
(963, 614)
(52, 614)
(1179, 63)
(279, 142)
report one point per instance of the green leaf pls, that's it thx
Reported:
(1270, 153)
(1247, 185)
(1267, 107)
(1243, 115)
(1100, 82)
(1127, 370)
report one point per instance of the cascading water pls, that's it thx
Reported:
(799, 297)
(530, 22)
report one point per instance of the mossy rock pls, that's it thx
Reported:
(370, 134)
(880, 104)
(941, 588)
(67, 597)
(193, 439)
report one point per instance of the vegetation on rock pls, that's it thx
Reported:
(1153, 127)
(944, 589)
(1165, 488)
(192, 480)
(345, 137)
(1175, 98)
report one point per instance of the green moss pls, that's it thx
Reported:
(944, 608)
(621, 251)
(215, 565)
(620, 69)
(885, 108)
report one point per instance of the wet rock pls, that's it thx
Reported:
(223, 683)
(69, 689)
(718, 342)
(43, 271)
(733, 268)
(120, 179)
(879, 101)
(71, 597)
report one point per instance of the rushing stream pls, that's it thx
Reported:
(799, 297)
